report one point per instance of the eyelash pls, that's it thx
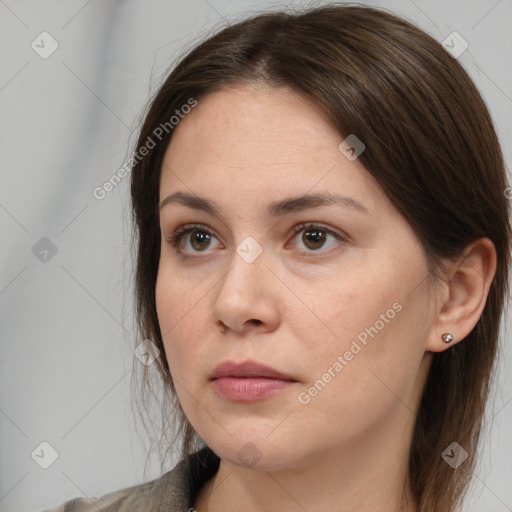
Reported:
(176, 236)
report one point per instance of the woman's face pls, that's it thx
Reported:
(341, 308)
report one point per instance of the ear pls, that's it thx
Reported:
(463, 295)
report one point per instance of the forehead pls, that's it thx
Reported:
(257, 142)
(252, 124)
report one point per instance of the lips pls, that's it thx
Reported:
(248, 381)
(248, 369)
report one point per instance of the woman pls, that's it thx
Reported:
(323, 248)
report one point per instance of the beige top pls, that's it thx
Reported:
(176, 490)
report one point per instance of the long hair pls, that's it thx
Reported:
(430, 144)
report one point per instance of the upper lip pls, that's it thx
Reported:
(247, 369)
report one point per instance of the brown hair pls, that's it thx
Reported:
(431, 145)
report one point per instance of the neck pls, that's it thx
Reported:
(367, 475)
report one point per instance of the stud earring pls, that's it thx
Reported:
(447, 337)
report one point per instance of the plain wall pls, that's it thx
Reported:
(66, 324)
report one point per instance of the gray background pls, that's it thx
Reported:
(66, 324)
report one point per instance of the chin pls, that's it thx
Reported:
(258, 454)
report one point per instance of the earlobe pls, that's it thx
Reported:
(465, 295)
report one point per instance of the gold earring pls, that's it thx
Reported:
(447, 337)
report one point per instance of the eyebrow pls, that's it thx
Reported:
(274, 209)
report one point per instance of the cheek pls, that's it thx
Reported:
(183, 322)
(371, 320)
(371, 365)
(169, 311)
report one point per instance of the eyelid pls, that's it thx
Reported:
(311, 225)
(177, 235)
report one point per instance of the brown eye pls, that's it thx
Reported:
(314, 238)
(191, 238)
(199, 240)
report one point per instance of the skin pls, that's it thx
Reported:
(297, 309)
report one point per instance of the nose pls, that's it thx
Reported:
(247, 298)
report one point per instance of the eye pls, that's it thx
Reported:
(199, 237)
(314, 236)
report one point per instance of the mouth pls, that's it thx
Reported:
(248, 381)
(248, 369)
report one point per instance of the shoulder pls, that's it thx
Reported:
(172, 491)
(170, 488)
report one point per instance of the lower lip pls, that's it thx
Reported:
(249, 389)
